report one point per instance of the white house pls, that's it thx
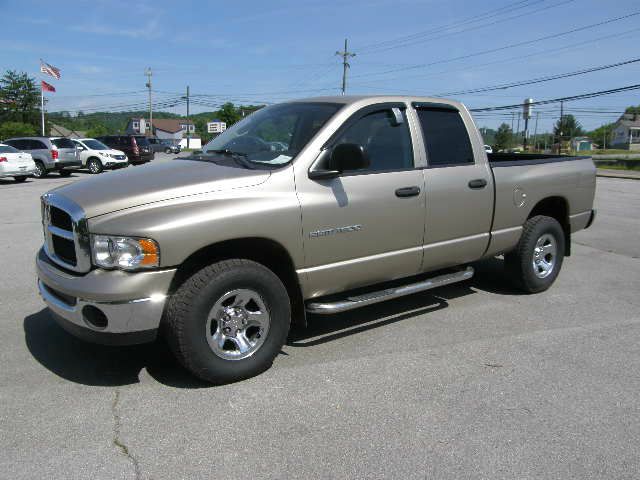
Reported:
(626, 132)
(216, 126)
(174, 129)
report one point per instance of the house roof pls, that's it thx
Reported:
(215, 120)
(629, 120)
(171, 125)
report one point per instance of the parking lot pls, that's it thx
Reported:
(468, 381)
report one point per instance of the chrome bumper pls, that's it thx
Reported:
(130, 302)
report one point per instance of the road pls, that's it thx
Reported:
(469, 381)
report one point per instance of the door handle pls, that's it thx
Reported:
(478, 183)
(407, 192)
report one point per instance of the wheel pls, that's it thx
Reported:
(167, 150)
(228, 321)
(41, 171)
(65, 173)
(20, 179)
(536, 261)
(95, 165)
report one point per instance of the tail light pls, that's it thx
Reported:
(54, 154)
(3, 159)
(136, 149)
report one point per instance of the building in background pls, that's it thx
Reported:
(216, 126)
(174, 129)
(626, 132)
(581, 144)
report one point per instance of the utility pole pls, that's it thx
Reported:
(188, 126)
(535, 133)
(518, 132)
(148, 73)
(346, 54)
(560, 126)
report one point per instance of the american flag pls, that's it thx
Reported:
(49, 69)
(47, 87)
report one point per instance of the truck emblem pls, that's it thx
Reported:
(333, 231)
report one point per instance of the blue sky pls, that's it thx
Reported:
(252, 52)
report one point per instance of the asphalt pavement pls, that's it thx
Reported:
(469, 381)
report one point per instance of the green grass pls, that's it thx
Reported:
(634, 168)
(611, 152)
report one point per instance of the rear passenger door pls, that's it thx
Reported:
(458, 185)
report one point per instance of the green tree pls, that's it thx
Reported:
(16, 129)
(568, 127)
(602, 134)
(97, 130)
(229, 114)
(633, 109)
(503, 138)
(19, 98)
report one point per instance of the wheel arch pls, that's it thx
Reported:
(556, 207)
(265, 251)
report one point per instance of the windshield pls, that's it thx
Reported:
(8, 149)
(142, 141)
(273, 135)
(95, 145)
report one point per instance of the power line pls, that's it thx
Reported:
(345, 54)
(504, 47)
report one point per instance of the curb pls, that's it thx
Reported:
(621, 175)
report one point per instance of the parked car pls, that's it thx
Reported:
(373, 198)
(136, 147)
(164, 145)
(96, 156)
(488, 149)
(16, 164)
(49, 154)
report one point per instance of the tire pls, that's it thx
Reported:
(20, 179)
(536, 262)
(41, 171)
(167, 150)
(65, 173)
(95, 165)
(209, 343)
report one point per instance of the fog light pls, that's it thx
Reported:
(94, 317)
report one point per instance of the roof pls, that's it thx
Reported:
(366, 99)
(629, 120)
(171, 125)
(60, 131)
(216, 120)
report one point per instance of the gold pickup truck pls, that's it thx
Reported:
(319, 205)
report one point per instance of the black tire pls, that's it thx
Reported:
(41, 171)
(65, 173)
(188, 311)
(167, 150)
(535, 277)
(20, 179)
(95, 165)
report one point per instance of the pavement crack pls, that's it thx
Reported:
(117, 440)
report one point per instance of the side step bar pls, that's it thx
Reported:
(349, 303)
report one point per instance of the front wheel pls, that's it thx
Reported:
(95, 165)
(20, 179)
(40, 171)
(228, 321)
(167, 150)
(535, 263)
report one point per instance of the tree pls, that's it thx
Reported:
(229, 114)
(569, 128)
(503, 138)
(19, 98)
(97, 130)
(16, 129)
(633, 109)
(602, 134)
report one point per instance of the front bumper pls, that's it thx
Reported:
(110, 307)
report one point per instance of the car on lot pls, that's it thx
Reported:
(370, 198)
(49, 154)
(16, 164)
(164, 145)
(488, 149)
(96, 156)
(136, 147)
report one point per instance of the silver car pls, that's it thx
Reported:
(49, 154)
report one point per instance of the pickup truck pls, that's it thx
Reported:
(364, 199)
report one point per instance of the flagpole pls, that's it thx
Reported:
(42, 106)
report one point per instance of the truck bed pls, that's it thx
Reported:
(516, 159)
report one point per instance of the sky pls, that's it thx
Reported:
(251, 52)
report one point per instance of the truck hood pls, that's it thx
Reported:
(154, 182)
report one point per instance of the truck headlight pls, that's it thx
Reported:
(126, 253)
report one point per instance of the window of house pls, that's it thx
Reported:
(136, 124)
(446, 137)
(386, 142)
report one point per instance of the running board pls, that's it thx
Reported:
(349, 303)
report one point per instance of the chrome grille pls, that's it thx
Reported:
(66, 237)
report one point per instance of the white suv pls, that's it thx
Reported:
(96, 156)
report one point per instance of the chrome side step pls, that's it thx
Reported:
(349, 303)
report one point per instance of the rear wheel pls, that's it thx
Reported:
(167, 150)
(535, 263)
(40, 170)
(95, 165)
(229, 321)
(20, 179)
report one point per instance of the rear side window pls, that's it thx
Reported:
(63, 143)
(446, 137)
(142, 141)
(386, 142)
(36, 145)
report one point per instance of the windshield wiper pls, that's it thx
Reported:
(239, 157)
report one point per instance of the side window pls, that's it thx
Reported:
(15, 144)
(37, 145)
(446, 137)
(385, 139)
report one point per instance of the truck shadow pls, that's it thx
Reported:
(98, 365)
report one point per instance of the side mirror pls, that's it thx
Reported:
(348, 156)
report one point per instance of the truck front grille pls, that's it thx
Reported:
(66, 238)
